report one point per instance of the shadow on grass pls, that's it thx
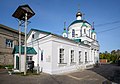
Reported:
(109, 71)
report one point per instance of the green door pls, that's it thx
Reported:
(17, 62)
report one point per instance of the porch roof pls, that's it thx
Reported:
(30, 50)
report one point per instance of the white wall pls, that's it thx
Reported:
(15, 61)
(94, 34)
(36, 36)
(67, 46)
(77, 27)
(46, 46)
(50, 46)
(47, 55)
(22, 65)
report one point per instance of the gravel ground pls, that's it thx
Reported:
(105, 74)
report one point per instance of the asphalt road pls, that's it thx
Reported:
(105, 74)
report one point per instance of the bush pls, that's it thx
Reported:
(3, 66)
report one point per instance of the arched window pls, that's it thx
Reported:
(73, 33)
(89, 32)
(84, 31)
(81, 32)
(94, 37)
(33, 36)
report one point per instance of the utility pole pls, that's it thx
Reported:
(25, 42)
(19, 23)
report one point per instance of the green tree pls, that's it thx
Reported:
(113, 56)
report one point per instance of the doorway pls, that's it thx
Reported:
(17, 62)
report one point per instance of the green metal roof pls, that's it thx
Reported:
(79, 21)
(41, 31)
(64, 31)
(30, 50)
(77, 40)
(45, 32)
(93, 31)
(84, 24)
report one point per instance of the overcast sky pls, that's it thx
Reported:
(50, 15)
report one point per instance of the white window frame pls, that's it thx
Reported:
(61, 55)
(86, 57)
(29, 58)
(80, 55)
(84, 31)
(9, 43)
(72, 56)
(33, 36)
(89, 32)
(80, 32)
(42, 55)
(73, 32)
(94, 36)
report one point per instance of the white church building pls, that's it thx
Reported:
(76, 49)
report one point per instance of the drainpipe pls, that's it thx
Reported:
(38, 59)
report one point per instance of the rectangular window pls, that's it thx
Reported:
(81, 32)
(9, 43)
(22, 43)
(89, 32)
(29, 58)
(72, 56)
(94, 37)
(80, 57)
(84, 31)
(41, 55)
(85, 57)
(61, 55)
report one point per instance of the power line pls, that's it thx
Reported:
(104, 24)
(109, 29)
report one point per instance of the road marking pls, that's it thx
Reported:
(77, 77)
(92, 79)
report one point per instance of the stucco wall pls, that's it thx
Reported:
(44, 45)
(67, 46)
(50, 46)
